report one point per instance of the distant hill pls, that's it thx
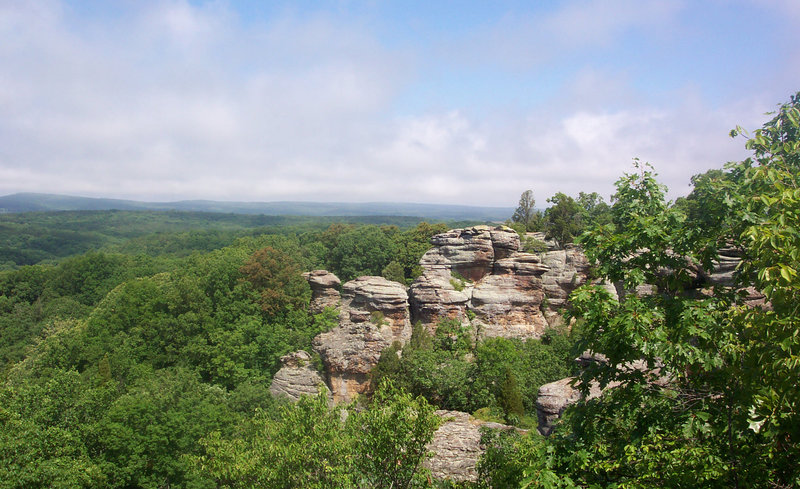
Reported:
(33, 202)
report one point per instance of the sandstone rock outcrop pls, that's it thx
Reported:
(373, 314)
(324, 290)
(297, 377)
(553, 398)
(482, 270)
(456, 446)
(567, 270)
(508, 302)
(723, 275)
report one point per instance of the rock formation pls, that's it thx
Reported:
(567, 270)
(324, 290)
(373, 314)
(553, 398)
(456, 446)
(297, 377)
(482, 270)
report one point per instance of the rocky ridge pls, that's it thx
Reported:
(511, 293)
(476, 275)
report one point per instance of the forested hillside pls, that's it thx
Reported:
(137, 349)
(116, 365)
(35, 237)
(31, 202)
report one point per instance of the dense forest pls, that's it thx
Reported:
(137, 348)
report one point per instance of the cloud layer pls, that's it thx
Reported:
(169, 100)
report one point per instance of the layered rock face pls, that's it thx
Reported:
(373, 314)
(481, 269)
(297, 377)
(324, 290)
(567, 270)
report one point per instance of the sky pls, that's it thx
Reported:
(415, 101)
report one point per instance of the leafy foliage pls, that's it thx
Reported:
(563, 220)
(277, 280)
(308, 444)
(438, 367)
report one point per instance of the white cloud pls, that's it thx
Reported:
(177, 101)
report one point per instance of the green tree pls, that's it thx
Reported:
(304, 444)
(563, 219)
(392, 434)
(526, 214)
(510, 398)
(362, 251)
(394, 271)
(276, 278)
(594, 210)
(769, 205)
(42, 425)
(704, 386)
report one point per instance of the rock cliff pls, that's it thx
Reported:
(481, 269)
(373, 314)
(508, 293)
(478, 275)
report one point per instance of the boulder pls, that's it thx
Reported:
(567, 270)
(297, 377)
(349, 352)
(435, 297)
(553, 398)
(382, 301)
(468, 252)
(456, 446)
(324, 290)
(508, 302)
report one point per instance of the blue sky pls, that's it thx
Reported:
(441, 102)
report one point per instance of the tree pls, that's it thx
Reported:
(362, 251)
(392, 434)
(563, 220)
(394, 271)
(526, 214)
(594, 211)
(277, 280)
(304, 444)
(511, 398)
(769, 210)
